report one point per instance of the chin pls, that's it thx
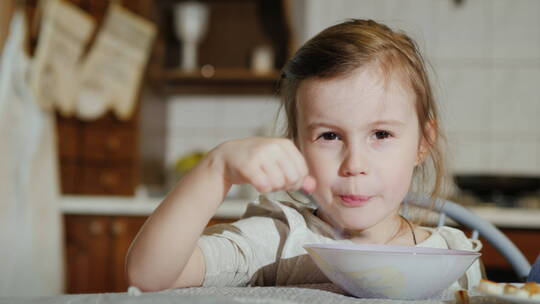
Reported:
(356, 227)
(356, 223)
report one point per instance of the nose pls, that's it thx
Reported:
(354, 163)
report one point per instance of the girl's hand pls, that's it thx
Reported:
(268, 164)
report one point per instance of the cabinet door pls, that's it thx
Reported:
(123, 230)
(87, 253)
(96, 248)
(108, 178)
(109, 143)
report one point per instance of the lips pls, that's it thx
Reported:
(354, 200)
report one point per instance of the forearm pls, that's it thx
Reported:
(168, 238)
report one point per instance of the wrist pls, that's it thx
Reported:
(214, 164)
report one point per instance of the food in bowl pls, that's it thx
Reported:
(394, 272)
(529, 290)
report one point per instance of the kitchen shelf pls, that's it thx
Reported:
(223, 81)
(235, 29)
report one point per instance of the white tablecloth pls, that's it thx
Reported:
(320, 294)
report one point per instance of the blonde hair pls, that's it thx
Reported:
(342, 48)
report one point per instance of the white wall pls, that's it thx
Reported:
(486, 56)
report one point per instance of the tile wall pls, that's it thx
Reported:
(202, 122)
(486, 57)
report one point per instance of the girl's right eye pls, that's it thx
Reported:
(329, 136)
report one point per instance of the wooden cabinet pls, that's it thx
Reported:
(98, 157)
(95, 252)
(96, 247)
(497, 268)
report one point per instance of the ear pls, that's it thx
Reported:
(430, 131)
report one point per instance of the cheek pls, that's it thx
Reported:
(399, 159)
(320, 166)
(401, 153)
(398, 172)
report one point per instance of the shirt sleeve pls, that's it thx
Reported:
(236, 254)
(456, 239)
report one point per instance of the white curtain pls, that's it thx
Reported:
(31, 243)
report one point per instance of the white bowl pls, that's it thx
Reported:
(394, 272)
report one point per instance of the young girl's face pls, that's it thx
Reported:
(360, 137)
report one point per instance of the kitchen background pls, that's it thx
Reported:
(485, 56)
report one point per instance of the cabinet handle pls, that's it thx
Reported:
(113, 143)
(118, 228)
(96, 228)
(108, 179)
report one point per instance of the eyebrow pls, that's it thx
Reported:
(390, 122)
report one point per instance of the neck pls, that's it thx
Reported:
(393, 230)
(383, 233)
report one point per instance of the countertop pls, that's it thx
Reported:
(234, 208)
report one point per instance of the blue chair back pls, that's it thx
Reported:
(488, 231)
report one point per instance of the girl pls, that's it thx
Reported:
(362, 123)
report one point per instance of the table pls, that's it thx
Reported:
(235, 295)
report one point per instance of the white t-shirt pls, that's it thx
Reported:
(264, 248)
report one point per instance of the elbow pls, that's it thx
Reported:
(151, 277)
(138, 277)
(144, 283)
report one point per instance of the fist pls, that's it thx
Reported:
(268, 164)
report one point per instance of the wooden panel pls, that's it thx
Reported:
(526, 240)
(87, 253)
(123, 230)
(107, 178)
(101, 156)
(69, 176)
(96, 248)
(101, 143)
(68, 134)
(224, 81)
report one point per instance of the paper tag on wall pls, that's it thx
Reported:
(64, 33)
(112, 71)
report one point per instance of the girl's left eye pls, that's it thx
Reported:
(329, 136)
(381, 134)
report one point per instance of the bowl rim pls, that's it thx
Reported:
(392, 249)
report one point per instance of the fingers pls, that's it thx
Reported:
(275, 176)
(309, 183)
(266, 174)
(299, 163)
(260, 181)
(296, 169)
(267, 164)
(284, 168)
